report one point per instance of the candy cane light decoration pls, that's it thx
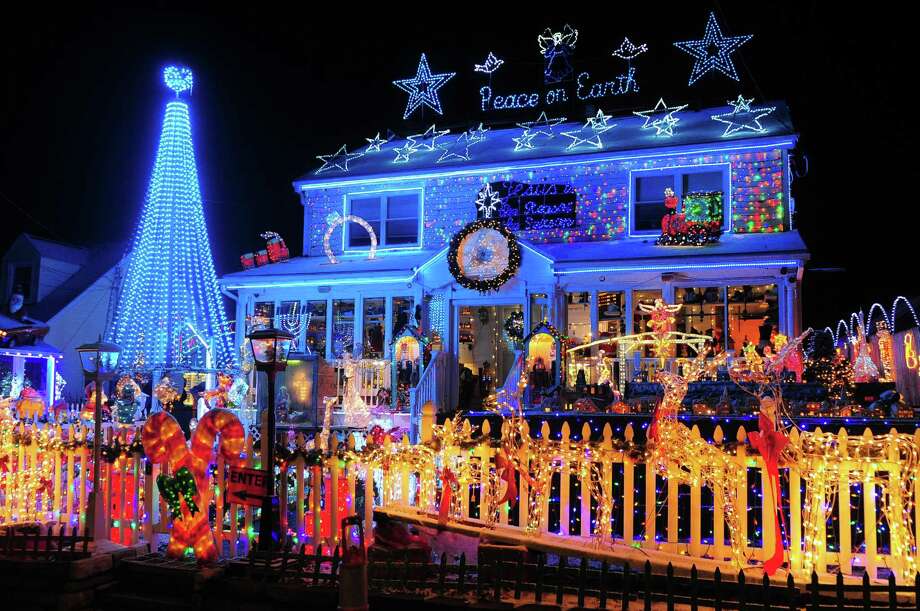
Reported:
(164, 443)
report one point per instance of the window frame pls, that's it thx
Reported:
(383, 197)
(679, 172)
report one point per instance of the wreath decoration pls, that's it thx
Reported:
(485, 252)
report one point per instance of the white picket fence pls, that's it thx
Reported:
(136, 513)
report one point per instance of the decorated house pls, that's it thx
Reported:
(481, 235)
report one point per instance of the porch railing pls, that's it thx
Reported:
(431, 387)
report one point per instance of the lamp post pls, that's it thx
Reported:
(270, 349)
(99, 360)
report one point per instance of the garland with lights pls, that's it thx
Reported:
(496, 281)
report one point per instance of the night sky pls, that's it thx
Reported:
(82, 101)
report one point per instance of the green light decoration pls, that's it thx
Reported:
(182, 484)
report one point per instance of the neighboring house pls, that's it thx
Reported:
(70, 288)
(586, 213)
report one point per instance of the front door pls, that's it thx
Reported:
(487, 336)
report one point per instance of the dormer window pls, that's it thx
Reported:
(396, 218)
(22, 281)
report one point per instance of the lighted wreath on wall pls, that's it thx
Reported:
(484, 255)
(341, 220)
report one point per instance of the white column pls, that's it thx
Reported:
(387, 325)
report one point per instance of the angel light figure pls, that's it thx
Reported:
(557, 49)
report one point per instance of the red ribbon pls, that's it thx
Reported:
(447, 480)
(506, 466)
(770, 443)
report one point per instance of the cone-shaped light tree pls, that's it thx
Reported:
(169, 306)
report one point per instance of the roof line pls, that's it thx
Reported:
(787, 141)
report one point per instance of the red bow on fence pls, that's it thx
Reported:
(448, 480)
(504, 465)
(770, 443)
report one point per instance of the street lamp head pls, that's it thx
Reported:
(270, 348)
(99, 358)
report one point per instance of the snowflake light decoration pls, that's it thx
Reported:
(713, 51)
(487, 202)
(423, 88)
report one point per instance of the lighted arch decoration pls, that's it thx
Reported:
(341, 220)
(847, 332)
(409, 344)
(545, 342)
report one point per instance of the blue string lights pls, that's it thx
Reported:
(713, 51)
(171, 284)
(338, 160)
(742, 117)
(661, 118)
(423, 88)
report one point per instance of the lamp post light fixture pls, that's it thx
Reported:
(270, 348)
(99, 361)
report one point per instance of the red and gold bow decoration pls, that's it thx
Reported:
(505, 469)
(770, 443)
(448, 483)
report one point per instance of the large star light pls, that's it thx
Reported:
(339, 160)
(713, 52)
(743, 117)
(661, 118)
(423, 88)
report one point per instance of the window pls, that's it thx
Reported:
(611, 318)
(22, 280)
(648, 192)
(374, 315)
(753, 316)
(316, 330)
(394, 218)
(641, 318)
(403, 313)
(703, 312)
(539, 309)
(578, 316)
(343, 327)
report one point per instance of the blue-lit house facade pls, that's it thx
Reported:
(586, 219)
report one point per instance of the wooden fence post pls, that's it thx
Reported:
(629, 500)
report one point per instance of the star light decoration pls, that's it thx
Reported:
(490, 65)
(543, 126)
(487, 202)
(339, 159)
(590, 132)
(423, 88)
(374, 144)
(427, 141)
(478, 133)
(713, 51)
(743, 117)
(458, 149)
(628, 51)
(665, 121)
